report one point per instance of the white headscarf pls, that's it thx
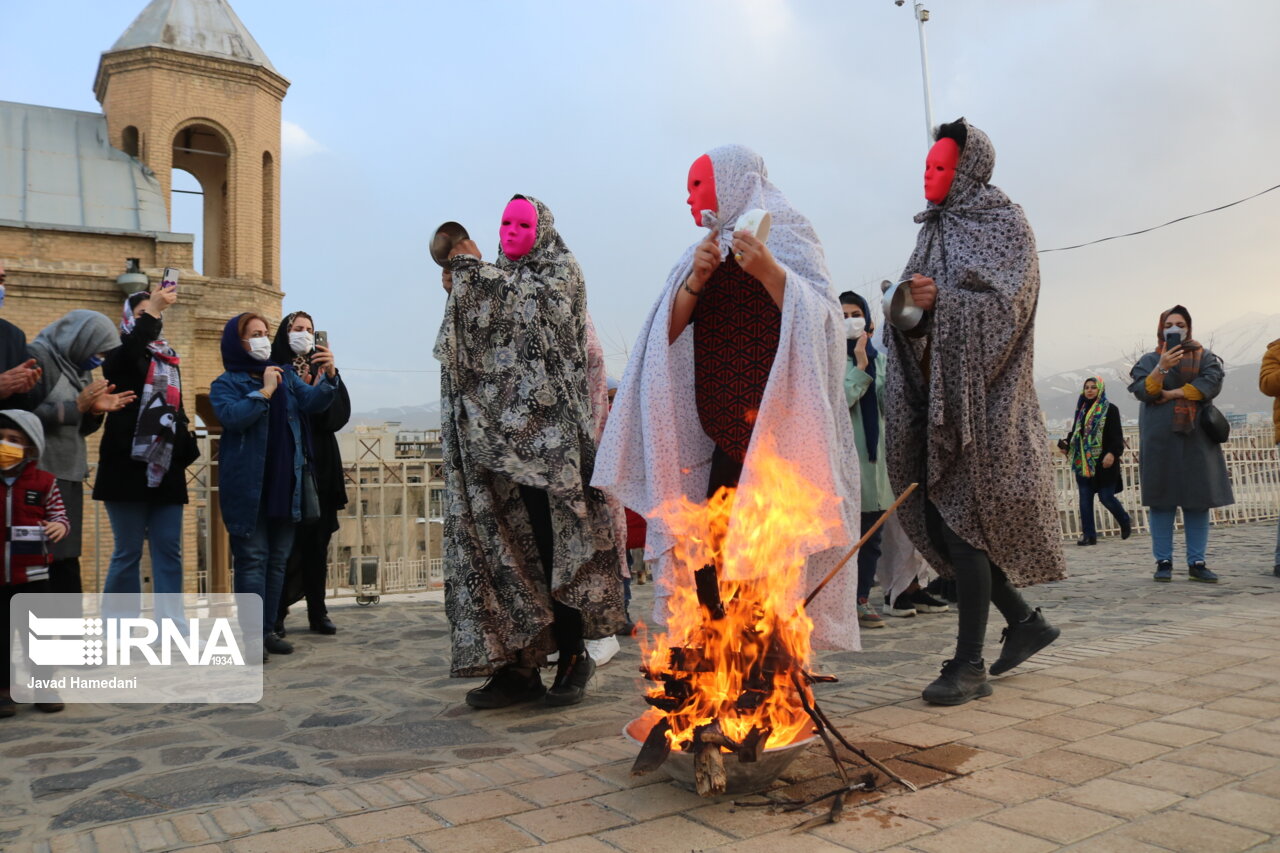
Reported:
(654, 449)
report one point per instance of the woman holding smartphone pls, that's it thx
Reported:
(262, 460)
(295, 344)
(1179, 464)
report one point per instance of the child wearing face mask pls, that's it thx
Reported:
(34, 519)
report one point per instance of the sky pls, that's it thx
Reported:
(1106, 117)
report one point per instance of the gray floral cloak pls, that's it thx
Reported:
(516, 410)
(962, 417)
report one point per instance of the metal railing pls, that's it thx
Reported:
(395, 510)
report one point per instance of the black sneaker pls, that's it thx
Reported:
(572, 674)
(322, 624)
(276, 645)
(1164, 571)
(7, 706)
(959, 682)
(1276, 570)
(506, 687)
(1021, 641)
(901, 606)
(1126, 527)
(923, 602)
(944, 588)
(1198, 572)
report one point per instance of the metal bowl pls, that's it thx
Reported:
(740, 778)
(446, 237)
(899, 308)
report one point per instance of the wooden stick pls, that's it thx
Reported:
(840, 565)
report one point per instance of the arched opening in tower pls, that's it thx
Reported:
(202, 152)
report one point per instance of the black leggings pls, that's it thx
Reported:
(979, 584)
(566, 624)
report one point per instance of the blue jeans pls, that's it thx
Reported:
(1107, 495)
(160, 525)
(1195, 523)
(868, 555)
(258, 562)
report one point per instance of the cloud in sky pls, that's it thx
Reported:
(296, 142)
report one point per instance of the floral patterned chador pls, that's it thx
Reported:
(516, 410)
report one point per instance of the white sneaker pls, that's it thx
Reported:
(603, 650)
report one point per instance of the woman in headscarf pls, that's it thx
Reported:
(962, 415)
(763, 364)
(1179, 465)
(146, 448)
(264, 485)
(1094, 448)
(532, 558)
(294, 346)
(68, 350)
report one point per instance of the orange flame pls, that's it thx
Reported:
(738, 669)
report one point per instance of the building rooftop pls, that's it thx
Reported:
(57, 168)
(206, 27)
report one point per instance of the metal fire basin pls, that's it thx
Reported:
(740, 778)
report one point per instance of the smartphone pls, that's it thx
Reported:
(169, 281)
(1172, 339)
(322, 339)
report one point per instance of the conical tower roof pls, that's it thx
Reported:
(205, 27)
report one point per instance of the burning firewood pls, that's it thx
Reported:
(753, 745)
(655, 750)
(707, 584)
(708, 768)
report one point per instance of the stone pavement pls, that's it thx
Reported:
(1154, 723)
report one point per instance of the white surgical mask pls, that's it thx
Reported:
(302, 342)
(1176, 331)
(260, 348)
(854, 326)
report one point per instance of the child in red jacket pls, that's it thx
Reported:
(33, 516)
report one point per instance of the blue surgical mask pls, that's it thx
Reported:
(91, 362)
(1, 295)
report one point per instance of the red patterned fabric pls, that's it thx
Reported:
(735, 338)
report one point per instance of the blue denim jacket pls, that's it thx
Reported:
(242, 454)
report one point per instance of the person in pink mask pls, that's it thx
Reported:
(532, 557)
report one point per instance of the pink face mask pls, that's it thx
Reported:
(519, 230)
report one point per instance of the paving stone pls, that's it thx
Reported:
(1064, 728)
(1053, 820)
(1213, 720)
(939, 806)
(956, 758)
(556, 823)
(1178, 778)
(490, 836)
(782, 840)
(62, 784)
(664, 835)
(1242, 808)
(742, 821)
(969, 719)
(1004, 785)
(652, 801)
(298, 839)
(388, 823)
(922, 735)
(1119, 798)
(1013, 742)
(1065, 766)
(562, 789)
(1116, 748)
(1183, 832)
(485, 805)
(979, 835)
(1246, 707)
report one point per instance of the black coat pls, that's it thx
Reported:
(120, 478)
(326, 462)
(1113, 443)
(13, 352)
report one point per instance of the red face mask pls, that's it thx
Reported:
(940, 169)
(702, 188)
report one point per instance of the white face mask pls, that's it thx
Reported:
(854, 326)
(260, 348)
(302, 342)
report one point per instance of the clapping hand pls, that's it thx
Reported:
(20, 379)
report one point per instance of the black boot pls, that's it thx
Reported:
(572, 674)
(322, 624)
(506, 687)
(276, 645)
(1126, 527)
(1087, 540)
(959, 682)
(1021, 641)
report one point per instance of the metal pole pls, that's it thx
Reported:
(922, 15)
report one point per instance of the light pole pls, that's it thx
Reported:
(922, 15)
